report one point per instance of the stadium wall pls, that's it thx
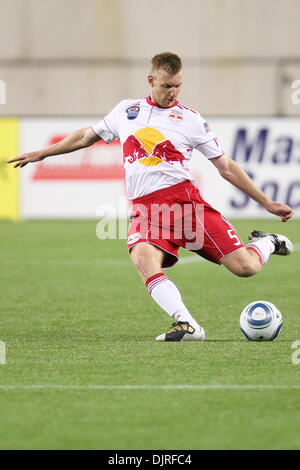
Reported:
(69, 57)
(90, 182)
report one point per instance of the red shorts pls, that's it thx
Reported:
(176, 217)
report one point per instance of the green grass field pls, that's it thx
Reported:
(79, 328)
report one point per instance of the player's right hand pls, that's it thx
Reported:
(281, 210)
(22, 160)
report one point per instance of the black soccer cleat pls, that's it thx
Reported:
(182, 331)
(283, 246)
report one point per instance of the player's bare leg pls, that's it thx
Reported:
(243, 262)
(248, 261)
(148, 260)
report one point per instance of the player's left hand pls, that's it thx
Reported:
(281, 210)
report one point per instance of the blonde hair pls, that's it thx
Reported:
(167, 61)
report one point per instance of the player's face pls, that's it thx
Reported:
(165, 88)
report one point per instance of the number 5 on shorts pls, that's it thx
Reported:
(234, 236)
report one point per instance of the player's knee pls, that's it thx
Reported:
(147, 259)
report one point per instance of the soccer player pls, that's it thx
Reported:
(158, 134)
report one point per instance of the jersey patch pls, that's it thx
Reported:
(132, 112)
(206, 127)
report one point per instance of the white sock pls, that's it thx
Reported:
(264, 247)
(168, 297)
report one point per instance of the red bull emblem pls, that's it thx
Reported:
(150, 148)
(176, 115)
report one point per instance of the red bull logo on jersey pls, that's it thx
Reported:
(150, 147)
(176, 116)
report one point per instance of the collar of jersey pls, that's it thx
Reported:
(149, 101)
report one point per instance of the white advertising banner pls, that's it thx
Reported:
(268, 150)
(75, 185)
(90, 182)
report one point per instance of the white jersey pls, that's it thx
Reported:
(157, 142)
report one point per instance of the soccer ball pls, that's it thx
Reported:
(261, 321)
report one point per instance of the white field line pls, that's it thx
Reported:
(110, 261)
(191, 259)
(68, 261)
(197, 259)
(149, 387)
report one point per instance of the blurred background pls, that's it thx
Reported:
(65, 63)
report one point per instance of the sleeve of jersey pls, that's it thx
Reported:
(107, 128)
(205, 140)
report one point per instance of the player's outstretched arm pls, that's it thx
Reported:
(233, 173)
(77, 140)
